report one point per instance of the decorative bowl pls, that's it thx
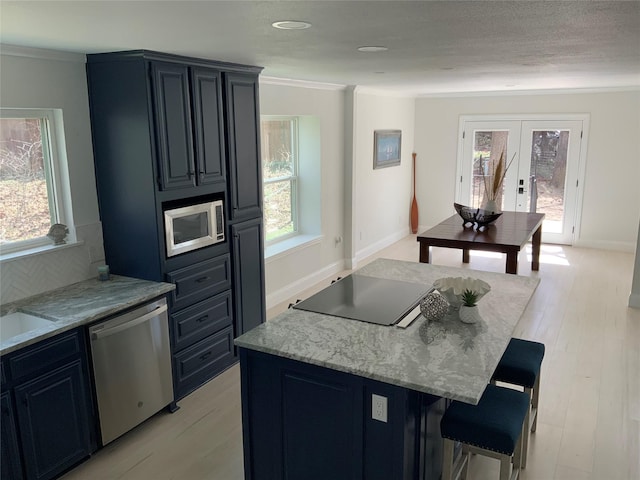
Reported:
(452, 288)
(476, 216)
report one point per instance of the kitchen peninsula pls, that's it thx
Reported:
(309, 382)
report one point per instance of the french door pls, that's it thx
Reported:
(543, 160)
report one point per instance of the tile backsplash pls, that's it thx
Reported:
(38, 273)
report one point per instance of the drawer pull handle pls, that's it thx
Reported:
(205, 355)
(204, 318)
(202, 279)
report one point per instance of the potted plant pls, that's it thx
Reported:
(469, 309)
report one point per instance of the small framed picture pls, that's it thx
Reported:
(386, 148)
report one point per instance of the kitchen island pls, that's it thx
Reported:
(311, 383)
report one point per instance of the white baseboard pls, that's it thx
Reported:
(380, 244)
(628, 247)
(634, 300)
(289, 292)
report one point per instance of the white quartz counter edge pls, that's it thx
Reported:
(80, 304)
(448, 359)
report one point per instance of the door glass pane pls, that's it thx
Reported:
(488, 146)
(547, 176)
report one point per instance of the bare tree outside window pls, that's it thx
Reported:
(279, 171)
(24, 201)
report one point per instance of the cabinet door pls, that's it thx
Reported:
(53, 418)
(245, 165)
(173, 125)
(10, 461)
(207, 115)
(248, 275)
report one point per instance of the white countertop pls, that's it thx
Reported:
(80, 304)
(447, 358)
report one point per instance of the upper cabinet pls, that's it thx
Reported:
(190, 142)
(243, 128)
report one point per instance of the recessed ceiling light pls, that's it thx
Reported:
(291, 25)
(372, 49)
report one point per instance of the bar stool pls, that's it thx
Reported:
(494, 428)
(520, 365)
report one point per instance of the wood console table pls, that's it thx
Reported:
(507, 235)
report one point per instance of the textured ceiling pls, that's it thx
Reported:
(434, 47)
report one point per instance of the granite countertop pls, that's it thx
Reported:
(80, 304)
(447, 358)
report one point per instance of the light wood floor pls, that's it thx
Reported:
(589, 418)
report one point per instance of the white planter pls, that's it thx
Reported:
(469, 314)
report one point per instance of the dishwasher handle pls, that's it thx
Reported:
(130, 324)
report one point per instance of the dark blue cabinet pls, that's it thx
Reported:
(173, 125)
(243, 133)
(10, 461)
(188, 113)
(48, 420)
(54, 421)
(248, 274)
(171, 131)
(305, 422)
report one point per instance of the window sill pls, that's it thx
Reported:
(289, 246)
(44, 249)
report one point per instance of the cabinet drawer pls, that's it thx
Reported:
(197, 282)
(195, 365)
(201, 320)
(45, 355)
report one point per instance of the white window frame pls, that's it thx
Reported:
(56, 174)
(293, 179)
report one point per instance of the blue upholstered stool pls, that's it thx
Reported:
(520, 365)
(495, 428)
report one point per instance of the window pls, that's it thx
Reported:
(31, 191)
(280, 176)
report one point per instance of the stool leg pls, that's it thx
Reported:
(447, 460)
(465, 469)
(534, 403)
(524, 437)
(518, 452)
(505, 467)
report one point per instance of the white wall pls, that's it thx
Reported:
(381, 197)
(300, 268)
(45, 79)
(611, 206)
(634, 297)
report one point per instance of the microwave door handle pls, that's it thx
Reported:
(127, 325)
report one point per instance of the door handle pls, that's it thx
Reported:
(124, 326)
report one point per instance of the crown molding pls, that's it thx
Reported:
(42, 53)
(511, 93)
(290, 82)
(384, 92)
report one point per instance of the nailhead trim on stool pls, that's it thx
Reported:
(494, 425)
(520, 365)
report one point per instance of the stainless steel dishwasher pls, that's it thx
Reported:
(132, 368)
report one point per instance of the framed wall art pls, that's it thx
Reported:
(386, 148)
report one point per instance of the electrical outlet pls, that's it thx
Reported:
(379, 408)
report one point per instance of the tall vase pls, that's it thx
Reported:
(490, 206)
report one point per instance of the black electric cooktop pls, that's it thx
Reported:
(368, 299)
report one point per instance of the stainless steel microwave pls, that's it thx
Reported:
(192, 227)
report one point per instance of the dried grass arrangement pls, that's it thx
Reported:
(493, 182)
